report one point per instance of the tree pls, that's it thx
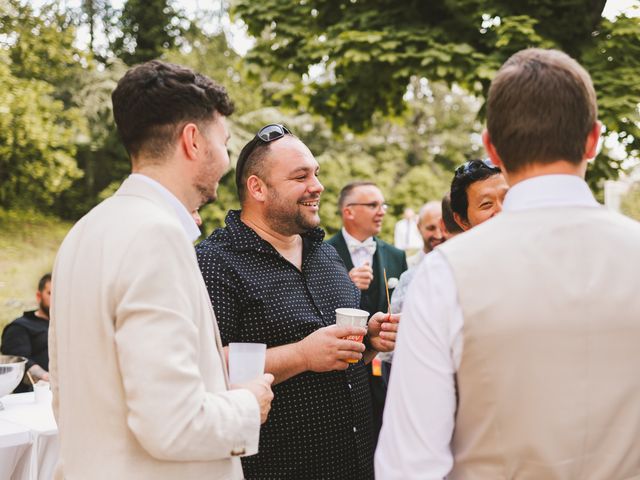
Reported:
(347, 59)
(99, 16)
(148, 28)
(39, 128)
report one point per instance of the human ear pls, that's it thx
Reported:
(591, 144)
(256, 188)
(461, 223)
(491, 150)
(189, 141)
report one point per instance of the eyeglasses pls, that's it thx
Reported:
(371, 205)
(267, 134)
(473, 165)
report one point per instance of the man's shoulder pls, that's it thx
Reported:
(390, 249)
(216, 245)
(328, 249)
(23, 321)
(335, 239)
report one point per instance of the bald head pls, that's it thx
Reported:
(429, 225)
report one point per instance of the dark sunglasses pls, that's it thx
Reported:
(473, 165)
(266, 134)
(272, 132)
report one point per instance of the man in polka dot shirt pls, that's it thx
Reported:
(272, 280)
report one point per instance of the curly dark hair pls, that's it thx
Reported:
(154, 100)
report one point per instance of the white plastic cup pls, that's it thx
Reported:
(42, 392)
(352, 317)
(246, 361)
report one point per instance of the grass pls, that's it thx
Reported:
(28, 245)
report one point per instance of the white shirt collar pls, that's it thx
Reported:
(549, 191)
(360, 256)
(186, 220)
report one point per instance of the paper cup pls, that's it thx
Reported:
(246, 361)
(42, 392)
(352, 317)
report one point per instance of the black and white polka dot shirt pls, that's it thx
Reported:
(319, 426)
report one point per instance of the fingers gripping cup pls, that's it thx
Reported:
(354, 318)
(246, 361)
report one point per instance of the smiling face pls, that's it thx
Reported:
(293, 190)
(363, 211)
(485, 200)
(429, 227)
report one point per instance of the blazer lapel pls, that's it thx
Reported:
(343, 250)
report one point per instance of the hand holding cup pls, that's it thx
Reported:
(328, 348)
(261, 389)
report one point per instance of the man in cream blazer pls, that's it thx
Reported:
(518, 352)
(138, 374)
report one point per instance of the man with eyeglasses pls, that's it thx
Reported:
(272, 280)
(518, 356)
(366, 257)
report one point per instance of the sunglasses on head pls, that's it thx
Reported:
(272, 132)
(473, 165)
(267, 134)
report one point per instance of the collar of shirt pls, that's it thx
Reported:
(549, 191)
(242, 237)
(361, 256)
(186, 220)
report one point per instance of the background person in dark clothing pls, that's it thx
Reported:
(272, 280)
(366, 257)
(27, 336)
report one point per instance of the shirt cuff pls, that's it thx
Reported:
(246, 443)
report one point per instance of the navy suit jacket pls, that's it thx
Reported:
(388, 257)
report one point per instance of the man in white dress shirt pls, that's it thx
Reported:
(518, 352)
(137, 366)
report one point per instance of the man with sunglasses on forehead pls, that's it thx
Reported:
(478, 189)
(518, 356)
(272, 280)
(366, 256)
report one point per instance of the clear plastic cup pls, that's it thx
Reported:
(246, 361)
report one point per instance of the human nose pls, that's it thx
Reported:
(316, 186)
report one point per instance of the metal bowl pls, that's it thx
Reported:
(11, 373)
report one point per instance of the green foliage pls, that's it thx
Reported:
(28, 244)
(39, 126)
(348, 59)
(630, 204)
(100, 155)
(147, 29)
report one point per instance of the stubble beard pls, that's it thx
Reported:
(288, 221)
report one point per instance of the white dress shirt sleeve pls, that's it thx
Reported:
(420, 408)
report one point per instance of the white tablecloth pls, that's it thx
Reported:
(28, 439)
